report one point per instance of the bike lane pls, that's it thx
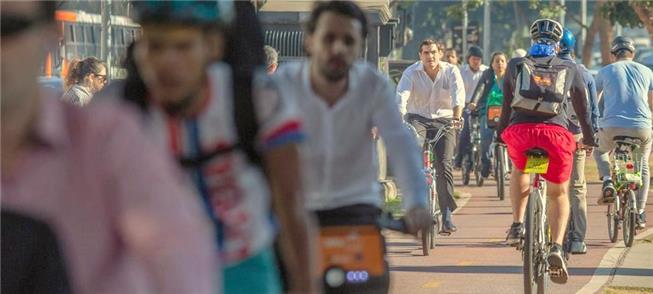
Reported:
(474, 259)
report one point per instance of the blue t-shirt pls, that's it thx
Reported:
(625, 86)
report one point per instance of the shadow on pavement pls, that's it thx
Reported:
(506, 269)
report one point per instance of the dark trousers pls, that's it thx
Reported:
(443, 163)
(465, 140)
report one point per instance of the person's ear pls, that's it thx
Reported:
(308, 41)
(215, 45)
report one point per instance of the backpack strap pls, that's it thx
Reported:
(247, 125)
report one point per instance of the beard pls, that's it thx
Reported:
(334, 75)
(177, 108)
(336, 72)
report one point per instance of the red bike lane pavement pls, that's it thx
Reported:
(475, 260)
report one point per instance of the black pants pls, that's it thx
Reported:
(443, 164)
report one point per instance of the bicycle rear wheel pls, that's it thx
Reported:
(613, 221)
(528, 250)
(629, 219)
(500, 171)
(542, 278)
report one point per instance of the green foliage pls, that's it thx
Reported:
(457, 11)
(622, 13)
(552, 9)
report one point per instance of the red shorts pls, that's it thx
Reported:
(557, 141)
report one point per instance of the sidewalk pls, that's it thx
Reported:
(634, 273)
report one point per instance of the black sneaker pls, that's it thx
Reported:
(609, 193)
(557, 265)
(641, 220)
(515, 234)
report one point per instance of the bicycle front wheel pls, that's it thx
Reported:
(428, 235)
(629, 219)
(477, 168)
(466, 169)
(613, 221)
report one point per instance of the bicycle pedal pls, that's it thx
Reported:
(443, 233)
(555, 272)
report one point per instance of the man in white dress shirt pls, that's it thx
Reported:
(432, 95)
(341, 99)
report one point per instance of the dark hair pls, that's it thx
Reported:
(347, 8)
(79, 69)
(495, 54)
(428, 42)
(623, 53)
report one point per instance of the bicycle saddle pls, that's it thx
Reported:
(536, 152)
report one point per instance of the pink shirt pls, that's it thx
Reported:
(124, 220)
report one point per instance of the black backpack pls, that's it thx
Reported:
(541, 87)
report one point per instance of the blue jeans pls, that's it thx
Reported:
(487, 136)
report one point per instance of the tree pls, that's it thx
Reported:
(644, 11)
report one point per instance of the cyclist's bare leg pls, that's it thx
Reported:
(519, 189)
(558, 212)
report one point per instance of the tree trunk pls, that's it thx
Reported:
(589, 39)
(605, 35)
(645, 14)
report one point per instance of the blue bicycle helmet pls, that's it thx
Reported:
(184, 12)
(568, 41)
(546, 30)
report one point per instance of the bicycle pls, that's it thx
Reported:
(428, 237)
(501, 167)
(472, 160)
(627, 175)
(537, 236)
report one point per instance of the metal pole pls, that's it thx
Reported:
(562, 13)
(464, 28)
(583, 20)
(486, 31)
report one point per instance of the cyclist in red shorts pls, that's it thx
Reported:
(534, 115)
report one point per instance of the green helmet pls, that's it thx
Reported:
(184, 12)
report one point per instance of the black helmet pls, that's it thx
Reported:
(622, 43)
(546, 29)
(474, 51)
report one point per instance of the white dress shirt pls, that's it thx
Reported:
(471, 78)
(338, 157)
(418, 94)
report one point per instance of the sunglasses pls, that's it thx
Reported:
(11, 25)
(103, 78)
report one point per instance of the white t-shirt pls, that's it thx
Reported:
(237, 189)
(471, 79)
(339, 162)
